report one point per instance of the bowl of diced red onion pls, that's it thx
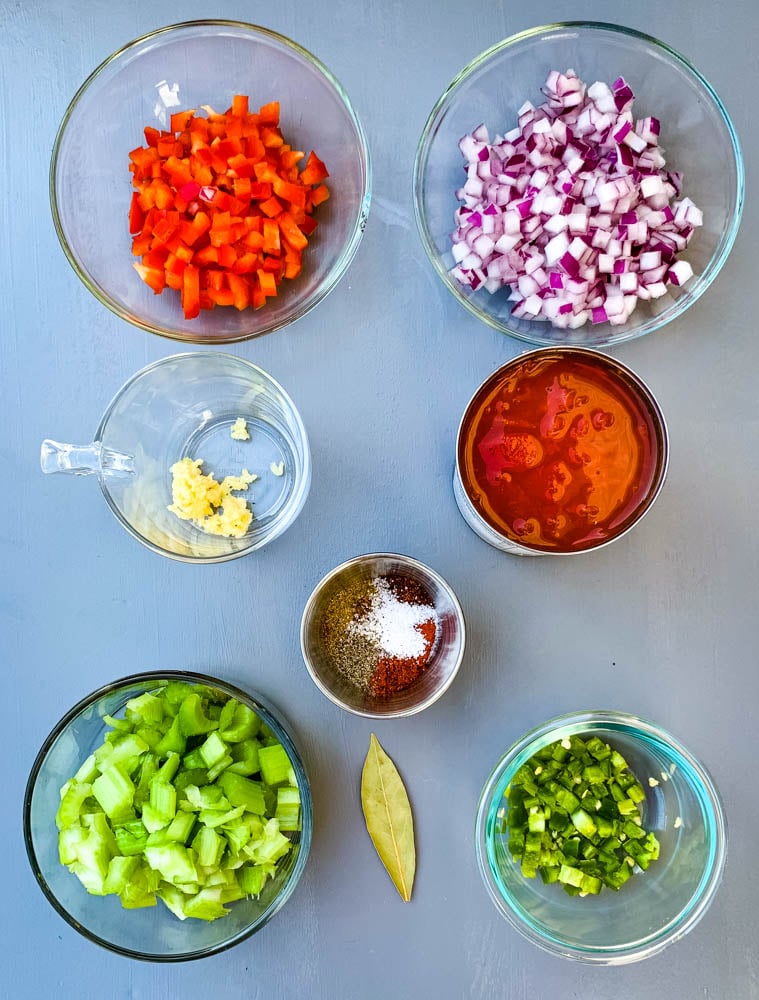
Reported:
(578, 183)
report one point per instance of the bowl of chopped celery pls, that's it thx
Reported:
(168, 816)
(601, 838)
(225, 192)
(578, 183)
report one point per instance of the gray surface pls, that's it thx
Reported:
(662, 624)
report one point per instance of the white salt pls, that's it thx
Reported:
(391, 623)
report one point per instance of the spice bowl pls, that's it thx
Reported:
(383, 635)
(653, 908)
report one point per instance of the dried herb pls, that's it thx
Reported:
(387, 812)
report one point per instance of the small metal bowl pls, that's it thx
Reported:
(446, 654)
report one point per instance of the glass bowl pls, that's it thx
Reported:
(445, 658)
(653, 909)
(697, 137)
(153, 934)
(184, 406)
(186, 66)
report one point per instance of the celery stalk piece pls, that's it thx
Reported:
(271, 847)
(242, 726)
(88, 771)
(172, 898)
(252, 879)
(206, 905)
(288, 809)
(208, 797)
(172, 740)
(144, 710)
(120, 872)
(276, 768)
(163, 799)
(69, 842)
(173, 861)
(213, 750)
(114, 791)
(129, 749)
(214, 818)
(181, 827)
(131, 837)
(192, 719)
(209, 847)
(242, 791)
(221, 765)
(121, 725)
(71, 804)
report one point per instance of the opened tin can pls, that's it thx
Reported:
(561, 450)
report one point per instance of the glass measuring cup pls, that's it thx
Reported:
(185, 406)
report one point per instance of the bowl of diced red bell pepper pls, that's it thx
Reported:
(225, 192)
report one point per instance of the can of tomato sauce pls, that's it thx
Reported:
(562, 450)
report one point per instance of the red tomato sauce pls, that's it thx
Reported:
(560, 452)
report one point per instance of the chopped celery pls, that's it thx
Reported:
(173, 741)
(572, 815)
(114, 791)
(206, 905)
(190, 799)
(276, 768)
(209, 847)
(192, 719)
(71, 804)
(243, 724)
(288, 809)
(213, 750)
(243, 792)
(181, 827)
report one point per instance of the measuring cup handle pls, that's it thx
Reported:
(83, 459)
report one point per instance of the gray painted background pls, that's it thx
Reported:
(662, 624)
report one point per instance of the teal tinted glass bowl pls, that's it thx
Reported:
(697, 136)
(654, 908)
(153, 934)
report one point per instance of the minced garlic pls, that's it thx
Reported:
(239, 430)
(209, 503)
(278, 468)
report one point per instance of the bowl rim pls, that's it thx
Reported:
(270, 717)
(648, 398)
(422, 568)
(677, 927)
(299, 498)
(349, 250)
(684, 301)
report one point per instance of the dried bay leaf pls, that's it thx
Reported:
(387, 812)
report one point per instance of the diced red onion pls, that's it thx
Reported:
(571, 208)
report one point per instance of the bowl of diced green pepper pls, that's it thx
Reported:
(600, 837)
(168, 816)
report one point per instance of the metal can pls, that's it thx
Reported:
(565, 425)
